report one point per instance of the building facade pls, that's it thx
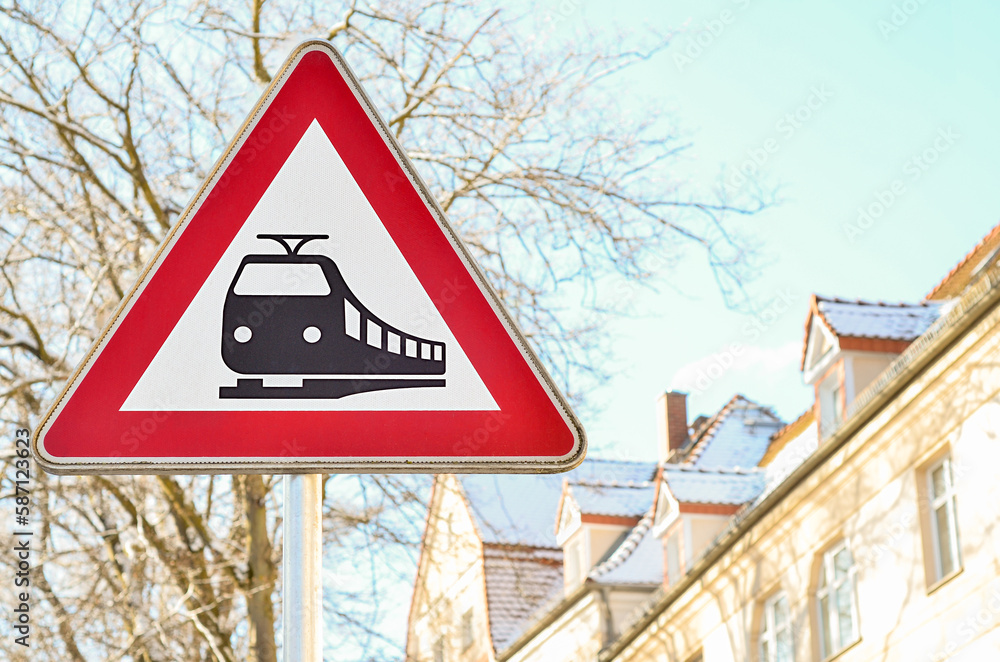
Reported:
(867, 529)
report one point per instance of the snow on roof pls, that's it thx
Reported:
(518, 582)
(637, 560)
(891, 321)
(738, 436)
(794, 451)
(621, 500)
(512, 509)
(693, 484)
(612, 472)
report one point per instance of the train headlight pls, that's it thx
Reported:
(242, 334)
(311, 334)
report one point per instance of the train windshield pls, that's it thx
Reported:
(282, 279)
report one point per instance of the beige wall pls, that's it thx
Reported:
(867, 493)
(576, 635)
(602, 536)
(704, 529)
(865, 369)
(452, 566)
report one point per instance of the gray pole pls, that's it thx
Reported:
(301, 569)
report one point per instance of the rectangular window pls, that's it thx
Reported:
(282, 279)
(944, 527)
(468, 630)
(836, 604)
(776, 631)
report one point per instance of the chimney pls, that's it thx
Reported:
(671, 422)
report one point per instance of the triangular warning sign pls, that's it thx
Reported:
(311, 311)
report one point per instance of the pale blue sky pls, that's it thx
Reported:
(870, 98)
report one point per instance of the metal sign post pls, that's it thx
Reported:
(302, 568)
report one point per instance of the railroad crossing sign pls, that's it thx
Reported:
(311, 311)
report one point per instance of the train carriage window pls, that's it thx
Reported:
(425, 351)
(438, 352)
(352, 320)
(374, 334)
(411, 347)
(282, 279)
(392, 342)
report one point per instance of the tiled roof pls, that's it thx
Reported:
(513, 509)
(518, 582)
(612, 472)
(622, 500)
(737, 436)
(781, 438)
(958, 278)
(878, 322)
(795, 449)
(864, 319)
(637, 560)
(693, 484)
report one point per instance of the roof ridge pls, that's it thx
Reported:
(878, 302)
(961, 263)
(611, 483)
(617, 460)
(736, 470)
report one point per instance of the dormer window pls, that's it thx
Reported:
(849, 344)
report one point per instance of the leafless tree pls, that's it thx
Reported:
(112, 114)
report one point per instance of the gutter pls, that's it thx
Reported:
(971, 308)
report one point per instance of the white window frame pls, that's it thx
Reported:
(831, 403)
(948, 502)
(828, 590)
(769, 630)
